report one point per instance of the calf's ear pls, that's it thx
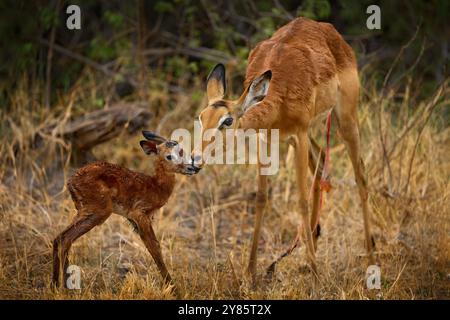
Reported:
(149, 147)
(152, 136)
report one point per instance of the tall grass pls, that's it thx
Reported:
(205, 229)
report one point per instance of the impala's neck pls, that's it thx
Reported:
(161, 177)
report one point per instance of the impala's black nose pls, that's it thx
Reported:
(196, 159)
(191, 170)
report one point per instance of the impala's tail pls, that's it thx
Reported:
(75, 195)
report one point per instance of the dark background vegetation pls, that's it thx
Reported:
(139, 44)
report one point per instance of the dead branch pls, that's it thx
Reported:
(102, 125)
(85, 132)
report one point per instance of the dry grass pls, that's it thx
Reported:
(206, 227)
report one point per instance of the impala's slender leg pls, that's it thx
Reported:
(350, 133)
(261, 201)
(151, 242)
(301, 166)
(62, 243)
(349, 130)
(315, 156)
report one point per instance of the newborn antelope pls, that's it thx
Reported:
(101, 188)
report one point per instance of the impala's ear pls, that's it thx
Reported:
(215, 83)
(257, 90)
(148, 147)
(153, 137)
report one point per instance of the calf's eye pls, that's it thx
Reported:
(171, 144)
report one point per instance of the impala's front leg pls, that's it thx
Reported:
(260, 205)
(151, 242)
(261, 200)
(301, 166)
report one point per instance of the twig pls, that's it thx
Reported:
(234, 15)
(78, 57)
(287, 14)
(197, 52)
(141, 35)
(396, 280)
(85, 60)
(386, 159)
(396, 60)
(383, 144)
(48, 71)
(207, 9)
(413, 66)
(434, 105)
(201, 53)
(408, 128)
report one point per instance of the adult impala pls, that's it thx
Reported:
(305, 69)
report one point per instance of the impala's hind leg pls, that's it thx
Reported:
(63, 242)
(316, 163)
(350, 133)
(89, 216)
(346, 112)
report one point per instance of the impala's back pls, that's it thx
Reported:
(119, 190)
(306, 59)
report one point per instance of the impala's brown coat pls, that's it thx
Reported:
(126, 190)
(101, 188)
(308, 60)
(312, 70)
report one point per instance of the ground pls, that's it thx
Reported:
(205, 230)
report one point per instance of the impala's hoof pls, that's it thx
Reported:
(271, 270)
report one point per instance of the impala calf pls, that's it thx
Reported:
(101, 188)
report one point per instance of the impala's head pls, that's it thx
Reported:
(169, 151)
(220, 114)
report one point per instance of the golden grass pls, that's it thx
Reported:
(205, 229)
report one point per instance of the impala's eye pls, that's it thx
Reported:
(171, 144)
(169, 157)
(226, 123)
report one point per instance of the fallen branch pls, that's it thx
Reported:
(87, 131)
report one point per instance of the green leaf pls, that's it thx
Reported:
(163, 6)
(114, 19)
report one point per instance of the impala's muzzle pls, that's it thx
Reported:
(193, 169)
(190, 170)
(196, 162)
